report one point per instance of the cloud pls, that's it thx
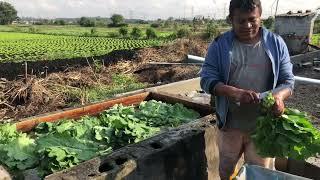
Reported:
(150, 9)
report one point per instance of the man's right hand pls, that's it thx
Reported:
(246, 96)
(237, 94)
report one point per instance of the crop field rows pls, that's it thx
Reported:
(316, 39)
(73, 30)
(16, 47)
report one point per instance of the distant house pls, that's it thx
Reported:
(300, 32)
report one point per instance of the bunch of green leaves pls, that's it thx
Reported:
(267, 104)
(67, 143)
(17, 150)
(64, 144)
(127, 126)
(290, 135)
(158, 114)
(61, 151)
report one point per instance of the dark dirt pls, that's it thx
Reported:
(40, 94)
(306, 97)
(166, 74)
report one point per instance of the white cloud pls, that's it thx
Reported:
(151, 9)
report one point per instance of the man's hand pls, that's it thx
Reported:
(246, 96)
(236, 94)
(278, 107)
(280, 96)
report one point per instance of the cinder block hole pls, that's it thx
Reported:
(91, 175)
(212, 122)
(107, 166)
(194, 130)
(156, 145)
(121, 161)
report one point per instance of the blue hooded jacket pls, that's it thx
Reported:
(216, 67)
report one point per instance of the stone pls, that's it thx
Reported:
(4, 175)
(307, 64)
(316, 69)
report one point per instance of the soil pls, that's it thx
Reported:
(20, 99)
(306, 97)
(34, 95)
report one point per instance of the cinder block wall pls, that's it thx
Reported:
(188, 152)
(296, 31)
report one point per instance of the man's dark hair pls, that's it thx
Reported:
(244, 5)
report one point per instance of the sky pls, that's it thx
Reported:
(145, 9)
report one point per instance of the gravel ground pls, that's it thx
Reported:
(306, 97)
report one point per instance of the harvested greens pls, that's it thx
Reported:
(56, 146)
(290, 135)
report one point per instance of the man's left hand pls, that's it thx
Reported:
(278, 107)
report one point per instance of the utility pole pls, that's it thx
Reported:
(225, 10)
(184, 10)
(192, 12)
(271, 9)
(214, 7)
(276, 8)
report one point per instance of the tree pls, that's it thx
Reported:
(155, 25)
(93, 31)
(268, 23)
(123, 31)
(195, 24)
(184, 32)
(7, 13)
(117, 19)
(60, 22)
(87, 22)
(151, 33)
(136, 33)
(212, 31)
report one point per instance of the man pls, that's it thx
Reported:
(239, 65)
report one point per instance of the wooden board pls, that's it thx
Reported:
(28, 124)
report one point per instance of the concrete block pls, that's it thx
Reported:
(307, 64)
(316, 69)
(188, 152)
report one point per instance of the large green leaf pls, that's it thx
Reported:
(291, 135)
(19, 153)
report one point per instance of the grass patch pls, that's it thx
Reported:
(121, 83)
(315, 39)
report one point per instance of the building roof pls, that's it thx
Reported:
(297, 14)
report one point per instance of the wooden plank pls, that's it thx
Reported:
(28, 124)
(203, 109)
(307, 57)
(299, 168)
(180, 87)
(173, 64)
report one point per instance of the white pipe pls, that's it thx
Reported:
(197, 59)
(307, 80)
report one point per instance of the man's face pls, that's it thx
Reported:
(246, 24)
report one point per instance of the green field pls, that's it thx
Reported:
(316, 39)
(76, 30)
(16, 47)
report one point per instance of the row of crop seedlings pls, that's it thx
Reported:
(52, 48)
